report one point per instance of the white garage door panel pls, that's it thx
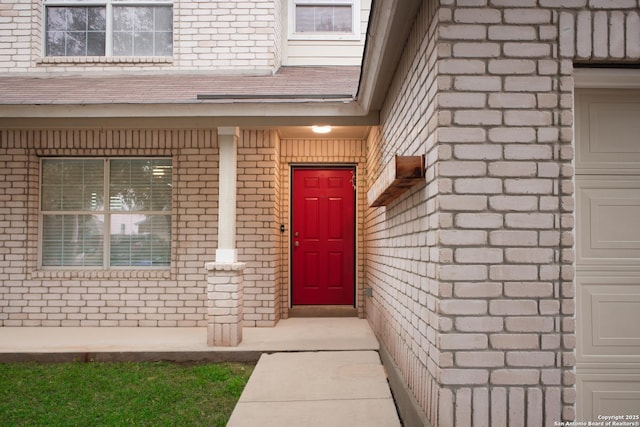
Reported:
(607, 191)
(609, 220)
(609, 126)
(608, 130)
(610, 307)
(608, 394)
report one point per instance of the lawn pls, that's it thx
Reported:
(120, 394)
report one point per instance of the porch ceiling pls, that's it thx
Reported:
(337, 132)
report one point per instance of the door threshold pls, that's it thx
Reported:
(323, 311)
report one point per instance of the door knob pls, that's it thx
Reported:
(296, 243)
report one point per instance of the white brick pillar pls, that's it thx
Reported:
(225, 275)
(224, 309)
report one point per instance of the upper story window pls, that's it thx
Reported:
(325, 19)
(105, 213)
(108, 28)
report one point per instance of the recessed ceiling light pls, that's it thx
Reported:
(321, 129)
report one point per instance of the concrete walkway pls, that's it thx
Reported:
(320, 389)
(311, 371)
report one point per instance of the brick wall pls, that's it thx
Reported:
(281, 280)
(607, 31)
(208, 35)
(483, 331)
(258, 233)
(402, 255)
(331, 152)
(226, 35)
(15, 27)
(30, 296)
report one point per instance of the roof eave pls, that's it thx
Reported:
(386, 37)
(284, 113)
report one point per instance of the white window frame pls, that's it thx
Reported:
(107, 213)
(108, 4)
(355, 25)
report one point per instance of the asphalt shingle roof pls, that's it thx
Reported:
(287, 83)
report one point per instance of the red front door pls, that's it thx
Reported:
(323, 237)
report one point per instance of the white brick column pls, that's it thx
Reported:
(225, 275)
(505, 315)
(224, 309)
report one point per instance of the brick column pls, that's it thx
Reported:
(225, 278)
(224, 312)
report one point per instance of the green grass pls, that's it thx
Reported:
(119, 394)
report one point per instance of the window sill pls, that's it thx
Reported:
(105, 60)
(102, 274)
(324, 37)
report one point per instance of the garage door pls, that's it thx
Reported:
(607, 252)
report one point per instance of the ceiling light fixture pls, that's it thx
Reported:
(321, 129)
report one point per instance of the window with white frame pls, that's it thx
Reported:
(325, 19)
(105, 213)
(108, 28)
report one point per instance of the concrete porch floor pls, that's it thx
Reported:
(309, 372)
(297, 334)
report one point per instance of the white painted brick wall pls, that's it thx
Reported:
(606, 31)
(403, 310)
(33, 297)
(257, 233)
(177, 297)
(497, 207)
(208, 35)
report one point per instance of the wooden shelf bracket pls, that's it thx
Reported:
(400, 174)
